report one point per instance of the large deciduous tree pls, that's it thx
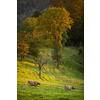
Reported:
(35, 40)
(76, 9)
(53, 22)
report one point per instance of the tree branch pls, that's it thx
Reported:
(44, 62)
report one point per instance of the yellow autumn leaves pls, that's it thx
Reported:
(54, 21)
(22, 47)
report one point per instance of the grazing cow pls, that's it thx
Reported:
(33, 83)
(69, 87)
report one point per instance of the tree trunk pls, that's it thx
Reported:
(21, 57)
(39, 67)
(57, 56)
(57, 64)
(39, 71)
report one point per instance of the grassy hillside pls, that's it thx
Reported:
(52, 80)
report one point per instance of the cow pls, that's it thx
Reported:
(33, 83)
(69, 88)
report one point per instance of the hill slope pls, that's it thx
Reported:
(52, 80)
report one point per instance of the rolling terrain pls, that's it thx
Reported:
(52, 79)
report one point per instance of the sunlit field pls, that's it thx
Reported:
(52, 79)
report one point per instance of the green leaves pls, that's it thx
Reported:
(64, 38)
(34, 47)
(28, 25)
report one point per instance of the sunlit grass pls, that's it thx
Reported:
(23, 75)
(26, 63)
(52, 80)
(29, 59)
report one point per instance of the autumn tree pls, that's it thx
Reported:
(34, 40)
(24, 35)
(22, 47)
(76, 9)
(54, 21)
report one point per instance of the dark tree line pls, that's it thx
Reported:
(25, 8)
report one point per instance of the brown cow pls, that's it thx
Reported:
(69, 87)
(33, 83)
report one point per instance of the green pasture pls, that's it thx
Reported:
(52, 79)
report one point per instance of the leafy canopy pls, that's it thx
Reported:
(53, 22)
(34, 40)
(76, 9)
(27, 25)
(22, 47)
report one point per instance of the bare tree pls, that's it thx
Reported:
(41, 65)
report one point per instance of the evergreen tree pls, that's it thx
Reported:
(36, 13)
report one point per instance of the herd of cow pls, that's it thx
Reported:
(35, 83)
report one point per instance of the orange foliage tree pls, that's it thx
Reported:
(53, 22)
(22, 47)
(24, 35)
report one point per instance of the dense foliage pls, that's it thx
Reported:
(54, 21)
(27, 25)
(76, 9)
(22, 48)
